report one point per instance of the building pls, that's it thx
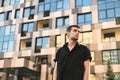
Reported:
(32, 30)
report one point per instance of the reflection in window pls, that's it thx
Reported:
(2, 15)
(109, 37)
(41, 42)
(80, 3)
(108, 10)
(113, 55)
(7, 34)
(62, 22)
(84, 19)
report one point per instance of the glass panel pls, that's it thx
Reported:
(2, 31)
(117, 12)
(41, 8)
(10, 45)
(27, 12)
(7, 30)
(5, 45)
(6, 38)
(31, 25)
(47, 7)
(66, 21)
(1, 16)
(101, 6)
(102, 14)
(12, 28)
(110, 5)
(78, 3)
(12, 2)
(32, 10)
(47, 1)
(59, 5)
(86, 2)
(53, 6)
(59, 22)
(110, 13)
(117, 3)
(25, 27)
(11, 38)
(9, 15)
(17, 13)
(1, 44)
(81, 19)
(45, 43)
(66, 4)
(39, 42)
(88, 18)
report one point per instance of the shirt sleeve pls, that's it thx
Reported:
(57, 56)
(87, 55)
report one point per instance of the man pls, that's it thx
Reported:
(72, 61)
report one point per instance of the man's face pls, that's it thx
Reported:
(74, 33)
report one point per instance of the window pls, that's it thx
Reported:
(41, 42)
(113, 55)
(109, 37)
(25, 44)
(27, 27)
(108, 10)
(9, 15)
(2, 15)
(62, 22)
(53, 5)
(3, 3)
(14, 2)
(85, 38)
(93, 58)
(43, 24)
(7, 34)
(58, 40)
(29, 12)
(17, 13)
(81, 3)
(84, 19)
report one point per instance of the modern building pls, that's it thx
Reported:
(31, 31)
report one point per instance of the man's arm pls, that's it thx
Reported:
(87, 69)
(55, 72)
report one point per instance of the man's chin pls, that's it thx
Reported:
(74, 39)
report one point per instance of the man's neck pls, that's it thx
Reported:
(71, 44)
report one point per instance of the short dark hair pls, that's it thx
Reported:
(70, 27)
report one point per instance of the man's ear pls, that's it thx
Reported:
(67, 34)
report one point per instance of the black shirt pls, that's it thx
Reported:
(70, 64)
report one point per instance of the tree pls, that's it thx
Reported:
(109, 74)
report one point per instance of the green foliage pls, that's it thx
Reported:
(109, 74)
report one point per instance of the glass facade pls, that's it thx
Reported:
(113, 55)
(108, 10)
(53, 5)
(81, 3)
(7, 34)
(62, 22)
(85, 18)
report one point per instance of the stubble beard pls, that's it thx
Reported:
(74, 39)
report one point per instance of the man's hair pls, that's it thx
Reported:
(70, 27)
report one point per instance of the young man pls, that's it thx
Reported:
(72, 61)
